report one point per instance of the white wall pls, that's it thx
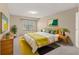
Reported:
(77, 30)
(4, 10)
(18, 21)
(66, 19)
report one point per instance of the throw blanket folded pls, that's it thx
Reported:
(39, 39)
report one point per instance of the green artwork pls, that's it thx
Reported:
(53, 22)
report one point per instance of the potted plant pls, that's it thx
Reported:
(7, 35)
(14, 30)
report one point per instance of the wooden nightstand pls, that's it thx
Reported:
(65, 39)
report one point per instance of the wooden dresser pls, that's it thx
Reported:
(7, 47)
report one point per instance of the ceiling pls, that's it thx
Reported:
(43, 9)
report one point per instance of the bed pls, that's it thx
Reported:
(39, 39)
(26, 45)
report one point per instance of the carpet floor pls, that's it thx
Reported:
(64, 50)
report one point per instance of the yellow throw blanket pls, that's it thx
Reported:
(40, 40)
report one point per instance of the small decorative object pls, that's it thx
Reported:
(42, 30)
(14, 30)
(64, 30)
(53, 31)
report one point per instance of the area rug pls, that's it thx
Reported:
(47, 48)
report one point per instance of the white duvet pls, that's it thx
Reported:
(51, 37)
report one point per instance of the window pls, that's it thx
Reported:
(30, 25)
